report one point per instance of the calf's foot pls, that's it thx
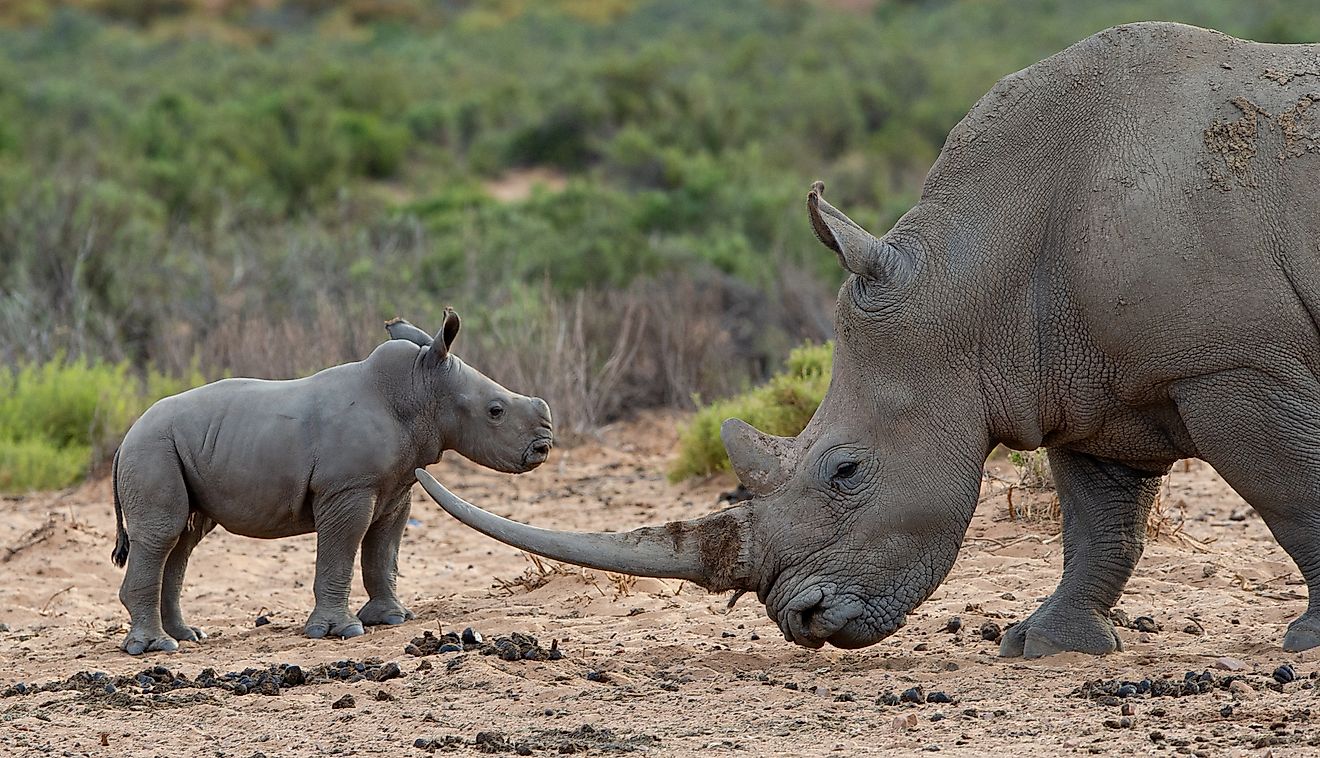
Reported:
(184, 633)
(1057, 628)
(333, 624)
(137, 643)
(377, 612)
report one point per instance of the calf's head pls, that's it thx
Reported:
(856, 520)
(478, 417)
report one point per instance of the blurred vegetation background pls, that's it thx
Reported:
(610, 191)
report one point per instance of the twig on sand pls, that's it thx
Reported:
(46, 607)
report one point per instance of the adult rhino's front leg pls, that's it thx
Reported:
(341, 522)
(1105, 505)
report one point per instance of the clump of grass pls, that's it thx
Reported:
(61, 417)
(782, 406)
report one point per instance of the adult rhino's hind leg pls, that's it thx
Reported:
(1262, 434)
(172, 582)
(380, 566)
(1104, 506)
(341, 522)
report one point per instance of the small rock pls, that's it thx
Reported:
(423, 666)
(384, 696)
(1119, 617)
(1194, 629)
(471, 637)
(1237, 516)
(920, 646)
(1008, 596)
(913, 695)
(990, 631)
(1128, 709)
(4, 627)
(904, 723)
(1284, 674)
(262, 620)
(346, 701)
(938, 697)
(597, 676)
(1229, 664)
(1241, 688)
(889, 698)
(1127, 690)
(954, 625)
(1145, 624)
(1226, 711)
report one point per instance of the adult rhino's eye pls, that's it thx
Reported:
(496, 410)
(845, 470)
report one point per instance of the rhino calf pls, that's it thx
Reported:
(331, 453)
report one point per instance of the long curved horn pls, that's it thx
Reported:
(710, 551)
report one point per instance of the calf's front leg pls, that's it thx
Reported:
(380, 565)
(341, 521)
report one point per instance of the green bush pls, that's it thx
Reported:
(59, 418)
(782, 406)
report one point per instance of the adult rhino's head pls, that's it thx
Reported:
(479, 418)
(856, 520)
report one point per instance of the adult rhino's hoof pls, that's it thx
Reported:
(1048, 632)
(1302, 634)
(186, 633)
(317, 628)
(139, 645)
(377, 614)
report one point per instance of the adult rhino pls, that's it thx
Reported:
(1117, 257)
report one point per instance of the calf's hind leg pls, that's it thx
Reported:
(172, 583)
(155, 508)
(1104, 506)
(1262, 434)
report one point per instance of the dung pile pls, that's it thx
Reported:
(1192, 683)
(516, 646)
(159, 680)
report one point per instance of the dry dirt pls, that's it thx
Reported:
(651, 667)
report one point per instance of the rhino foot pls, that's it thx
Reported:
(185, 633)
(1303, 634)
(339, 625)
(136, 644)
(387, 612)
(1052, 630)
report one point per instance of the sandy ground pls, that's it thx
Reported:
(652, 667)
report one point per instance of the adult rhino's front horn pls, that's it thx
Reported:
(712, 552)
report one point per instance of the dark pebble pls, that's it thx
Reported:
(1145, 624)
(262, 620)
(990, 631)
(913, 695)
(1284, 674)
(471, 636)
(1127, 690)
(888, 698)
(755, 636)
(1226, 711)
(346, 701)
(954, 625)
(937, 716)
(597, 676)
(938, 697)
(293, 676)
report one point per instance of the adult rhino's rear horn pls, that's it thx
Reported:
(711, 552)
(859, 251)
(759, 460)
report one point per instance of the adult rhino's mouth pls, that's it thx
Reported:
(823, 612)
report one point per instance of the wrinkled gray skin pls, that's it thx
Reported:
(332, 453)
(1117, 257)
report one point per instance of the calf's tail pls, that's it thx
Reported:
(120, 555)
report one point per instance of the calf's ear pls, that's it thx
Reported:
(444, 338)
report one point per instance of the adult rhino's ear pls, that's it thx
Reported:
(759, 460)
(443, 339)
(859, 251)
